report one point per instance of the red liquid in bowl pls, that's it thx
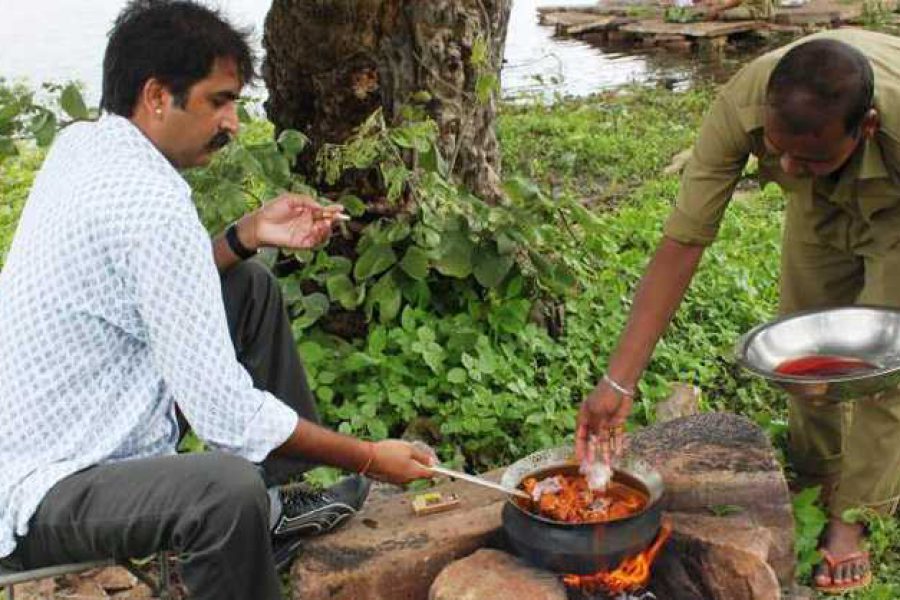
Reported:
(816, 365)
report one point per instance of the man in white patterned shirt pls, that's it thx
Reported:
(114, 307)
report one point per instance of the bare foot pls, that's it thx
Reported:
(842, 541)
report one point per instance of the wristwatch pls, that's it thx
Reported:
(234, 242)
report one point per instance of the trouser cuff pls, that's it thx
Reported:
(842, 502)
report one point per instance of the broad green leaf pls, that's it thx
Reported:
(385, 295)
(339, 265)
(377, 429)
(378, 338)
(243, 116)
(397, 231)
(292, 142)
(231, 201)
(505, 244)
(491, 267)
(422, 96)
(455, 258)
(433, 161)
(402, 137)
(72, 102)
(311, 352)
(314, 307)
(43, 128)
(274, 165)
(353, 204)
(357, 361)
(457, 375)
(415, 263)
(395, 177)
(325, 394)
(376, 259)
(342, 291)
(245, 159)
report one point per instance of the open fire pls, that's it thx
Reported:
(631, 575)
(568, 498)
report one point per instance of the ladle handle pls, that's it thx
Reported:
(479, 481)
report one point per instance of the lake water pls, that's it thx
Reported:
(62, 40)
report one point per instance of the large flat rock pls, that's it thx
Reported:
(388, 553)
(715, 462)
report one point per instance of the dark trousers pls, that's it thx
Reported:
(211, 509)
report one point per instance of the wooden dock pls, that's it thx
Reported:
(641, 23)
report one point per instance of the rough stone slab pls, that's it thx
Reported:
(715, 460)
(387, 553)
(496, 575)
(707, 558)
(724, 558)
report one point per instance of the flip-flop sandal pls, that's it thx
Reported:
(834, 563)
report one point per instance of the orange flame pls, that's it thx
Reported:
(632, 574)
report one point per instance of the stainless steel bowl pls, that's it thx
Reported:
(869, 333)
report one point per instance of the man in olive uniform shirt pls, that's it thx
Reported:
(823, 117)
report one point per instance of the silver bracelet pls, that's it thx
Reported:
(615, 385)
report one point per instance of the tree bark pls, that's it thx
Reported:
(331, 63)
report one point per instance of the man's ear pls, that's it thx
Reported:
(154, 99)
(870, 123)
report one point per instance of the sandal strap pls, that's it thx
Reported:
(837, 562)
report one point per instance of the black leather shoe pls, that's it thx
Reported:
(307, 512)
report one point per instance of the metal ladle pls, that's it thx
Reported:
(480, 481)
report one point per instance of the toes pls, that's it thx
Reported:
(843, 574)
(823, 576)
(859, 570)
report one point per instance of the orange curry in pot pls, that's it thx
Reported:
(567, 498)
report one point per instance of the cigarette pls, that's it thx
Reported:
(331, 215)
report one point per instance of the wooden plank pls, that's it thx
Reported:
(567, 19)
(602, 24)
(699, 30)
(542, 10)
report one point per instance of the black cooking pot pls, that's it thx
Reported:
(580, 548)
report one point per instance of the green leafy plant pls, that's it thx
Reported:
(810, 520)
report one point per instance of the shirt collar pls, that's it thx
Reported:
(147, 150)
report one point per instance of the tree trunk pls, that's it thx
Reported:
(331, 63)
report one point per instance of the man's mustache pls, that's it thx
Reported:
(220, 140)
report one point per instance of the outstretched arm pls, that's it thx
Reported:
(658, 297)
(394, 461)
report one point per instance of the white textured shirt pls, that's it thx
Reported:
(111, 311)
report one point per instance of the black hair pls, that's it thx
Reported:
(817, 81)
(174, 41)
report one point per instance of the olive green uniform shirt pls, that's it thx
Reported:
(732, 130)
(841, 246)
